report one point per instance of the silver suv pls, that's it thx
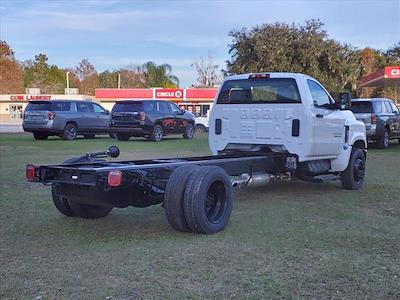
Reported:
(65, 118)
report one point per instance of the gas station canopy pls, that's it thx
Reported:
(387, 76)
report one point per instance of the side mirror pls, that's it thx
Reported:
(345, 101)
(107, 112)
(181, 112)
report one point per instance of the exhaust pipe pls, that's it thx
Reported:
(256, 180)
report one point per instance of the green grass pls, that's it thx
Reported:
(287, 240)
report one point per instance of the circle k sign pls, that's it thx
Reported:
(169, 93)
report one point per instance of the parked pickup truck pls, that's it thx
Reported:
(264, 127)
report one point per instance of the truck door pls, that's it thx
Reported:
(328, 124)
(85, 112)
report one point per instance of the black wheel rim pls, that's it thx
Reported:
(359, 170)
(215, 204)
(70, 132)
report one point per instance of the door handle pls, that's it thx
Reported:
(319, 115)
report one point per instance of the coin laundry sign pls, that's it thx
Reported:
(169, 93)
(30, 97)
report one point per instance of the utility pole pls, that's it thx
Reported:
(119, 80)
(67, 83)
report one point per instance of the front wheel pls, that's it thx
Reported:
(189, 131)
(40, 136)
(353, 177)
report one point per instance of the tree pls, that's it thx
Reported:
(280, 47)
(11, 76)
(39, 74)
(393, 54)
(88, 77)
(208, 74)
(159, 75)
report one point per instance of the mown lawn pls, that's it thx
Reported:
(287, 240)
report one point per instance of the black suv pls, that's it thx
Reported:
(381, 118)
(152, 119)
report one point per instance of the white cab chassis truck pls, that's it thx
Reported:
(264, 127)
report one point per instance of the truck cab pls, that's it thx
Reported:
(287, 113)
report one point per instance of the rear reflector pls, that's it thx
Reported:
(30, 172)
(258, 76)
(114, 178)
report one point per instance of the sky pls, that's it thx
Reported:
(114, 34)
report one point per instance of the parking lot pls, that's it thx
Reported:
(284, 240)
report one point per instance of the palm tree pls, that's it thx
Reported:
(159, 75)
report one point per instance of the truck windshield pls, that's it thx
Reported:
(361, 107)
(255, 91)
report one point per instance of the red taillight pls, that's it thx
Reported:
(114, 178)
(52, 114)
(374, 119)
(30, 172)
(142, 116)
(258, 76)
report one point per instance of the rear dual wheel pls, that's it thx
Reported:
(198, 199)
(75, 209)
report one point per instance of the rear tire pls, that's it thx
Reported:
(40, 136)
(189, 131)
(353, 177)
(208, 200)
(173, 197)
(69, 132)
(122, 137)
(88, 211)
(383, 141)
(61, 203)
(157, 134)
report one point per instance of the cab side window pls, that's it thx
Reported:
(318, 94)
(394, 108)
(174, 107)
(98, 109)
(164, 107)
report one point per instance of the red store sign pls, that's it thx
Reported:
(392, 72)
(29, 97)
(169, 93)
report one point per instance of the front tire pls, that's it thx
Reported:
(157, 134)
(61, 203)
(40, 136)
(70, 132)
(189, 131)
(383, 141)
(200, 129)
(353, 177)
(208, 200)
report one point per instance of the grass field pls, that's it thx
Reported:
(287, 240)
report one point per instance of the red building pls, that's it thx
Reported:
(385, 77)
(196, 100)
